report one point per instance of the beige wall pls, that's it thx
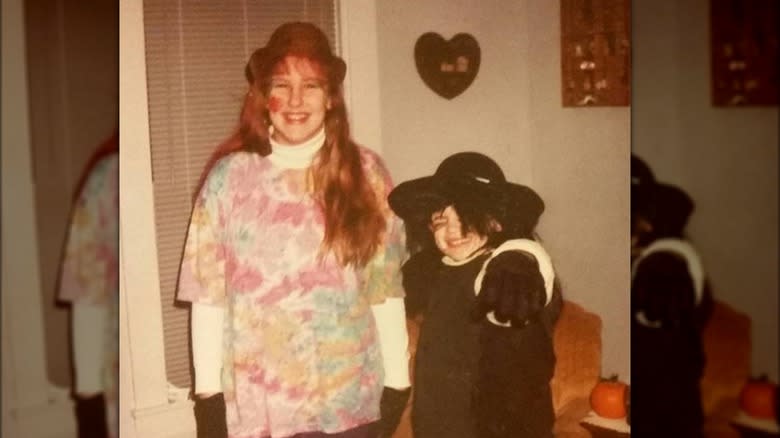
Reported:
(577, 159)
(725, 158)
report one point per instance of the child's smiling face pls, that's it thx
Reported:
(448, 235)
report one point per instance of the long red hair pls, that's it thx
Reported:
(108, 147)
(354, 223)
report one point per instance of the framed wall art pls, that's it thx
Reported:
(743, 46)
(596, 52)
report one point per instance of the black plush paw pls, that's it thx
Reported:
(663, 291)
(513, 288)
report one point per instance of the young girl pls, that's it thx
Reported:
(670, 304)
(488, 301)
(292, 262)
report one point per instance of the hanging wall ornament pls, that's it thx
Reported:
(447, 67)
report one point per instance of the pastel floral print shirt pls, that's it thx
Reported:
(300, 349)
(90, 265)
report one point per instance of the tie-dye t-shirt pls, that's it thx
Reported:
(90, 265)
(300, 352)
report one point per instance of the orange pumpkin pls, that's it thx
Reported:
(609, 398)
(758, 398)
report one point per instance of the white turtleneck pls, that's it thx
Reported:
(208, 321)
(88, 331)
(298, 156)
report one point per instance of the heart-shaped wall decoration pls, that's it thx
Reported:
(447, 67)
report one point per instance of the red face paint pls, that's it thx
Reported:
(274, 104)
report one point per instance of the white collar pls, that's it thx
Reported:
(298, 156)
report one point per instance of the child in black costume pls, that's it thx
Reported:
(670, 302)
(489, 300)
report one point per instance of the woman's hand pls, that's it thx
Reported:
(513, 288)
(210, 414)
(91, 414)
(392, 407)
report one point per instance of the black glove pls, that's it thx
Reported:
(91, 416)
(210, 417)
(513, 288)
(391, 407)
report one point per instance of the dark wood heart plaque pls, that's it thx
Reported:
(447, 67)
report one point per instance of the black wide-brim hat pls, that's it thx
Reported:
(666, 206)
(467, 178)
(297, 38)
(671, 208)
(642, 184)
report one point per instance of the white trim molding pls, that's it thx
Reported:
(53, 418)
(143, 396)
(174, 420)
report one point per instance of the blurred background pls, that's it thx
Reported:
(724, 156)
(60, 102)
(704, 117)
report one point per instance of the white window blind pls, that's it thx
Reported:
(195, 55)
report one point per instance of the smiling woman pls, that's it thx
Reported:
(292, 262)
(195, 82)
(297, 102)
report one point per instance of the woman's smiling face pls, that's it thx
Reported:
(297, 101)
(448, 235)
